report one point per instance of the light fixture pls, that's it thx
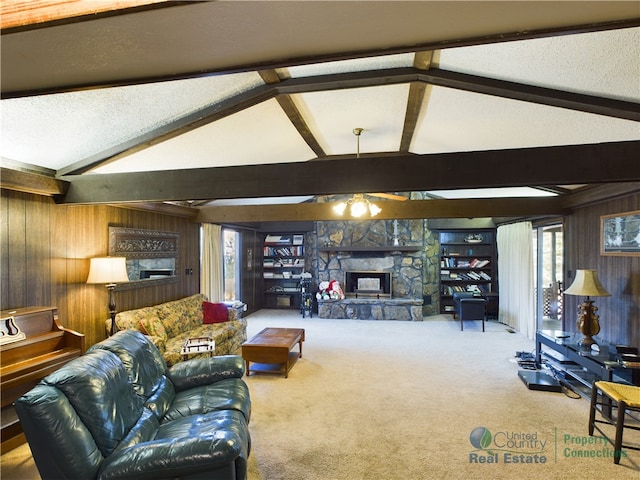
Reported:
(109, 271)
(588, 285)
(358, 204)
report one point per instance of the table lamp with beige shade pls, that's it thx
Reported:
(587, 284)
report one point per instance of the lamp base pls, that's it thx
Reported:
(112, 309)
(588, 323)
(586, 343)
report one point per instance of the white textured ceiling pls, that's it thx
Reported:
(57, 130)
(61, 130)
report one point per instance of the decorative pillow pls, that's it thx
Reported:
(214, 312)
(153, 327)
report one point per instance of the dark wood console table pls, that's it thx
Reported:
(581, 367)
(43, 348)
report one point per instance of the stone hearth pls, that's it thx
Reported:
(371, 309)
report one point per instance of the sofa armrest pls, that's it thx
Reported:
(222, 455)
(205, 371)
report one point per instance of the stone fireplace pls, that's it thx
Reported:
(380, 273)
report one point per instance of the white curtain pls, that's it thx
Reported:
(515, 276)
(212, 276)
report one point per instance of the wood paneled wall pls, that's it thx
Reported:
(251, 275)
(620, 275)
(45, 251)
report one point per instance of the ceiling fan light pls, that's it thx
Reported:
(340, 208)
(358, 208)
(374, 209)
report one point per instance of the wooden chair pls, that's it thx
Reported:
(625, 399)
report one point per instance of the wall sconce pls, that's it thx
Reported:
(109, 271)
(358, 206)
(588, 285)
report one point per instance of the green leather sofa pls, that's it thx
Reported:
(119, 412)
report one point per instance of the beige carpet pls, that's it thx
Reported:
(399, 400)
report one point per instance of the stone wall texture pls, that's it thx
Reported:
(414, 274)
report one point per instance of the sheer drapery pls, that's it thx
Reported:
(212, 276)
(515, 274)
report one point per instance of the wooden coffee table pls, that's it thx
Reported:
(270, 350)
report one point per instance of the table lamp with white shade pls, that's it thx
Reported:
(109, 271)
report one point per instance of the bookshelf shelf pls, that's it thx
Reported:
(283, 263)
(468, 262)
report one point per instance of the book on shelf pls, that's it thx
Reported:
(282, 239)
(295, 251)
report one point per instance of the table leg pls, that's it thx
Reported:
(300, 344)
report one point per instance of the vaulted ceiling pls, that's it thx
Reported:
(196, 105)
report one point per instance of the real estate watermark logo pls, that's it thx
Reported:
(512, 447)
(507, 447)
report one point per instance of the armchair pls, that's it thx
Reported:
(469, 306)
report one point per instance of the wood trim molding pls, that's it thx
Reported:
(32, 183)
(412, 209)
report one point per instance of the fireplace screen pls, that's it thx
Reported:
(367, 284)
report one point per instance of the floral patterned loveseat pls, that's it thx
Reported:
(169, 324)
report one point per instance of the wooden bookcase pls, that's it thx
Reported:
(468, 262)
(282, 266)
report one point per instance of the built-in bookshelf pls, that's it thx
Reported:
(468, 263)
(282, 266)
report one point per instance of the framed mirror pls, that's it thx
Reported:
(152, 255)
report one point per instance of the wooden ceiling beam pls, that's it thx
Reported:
(72, 81)
(412, 209)
(564, 165)
(32, 183)
(271, 77)
(530, 93)
(418, 92)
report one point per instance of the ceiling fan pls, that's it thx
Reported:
(389, 196)
(358, 204)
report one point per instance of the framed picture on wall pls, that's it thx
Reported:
(620, 234)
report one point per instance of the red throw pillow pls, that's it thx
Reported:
(214, 312)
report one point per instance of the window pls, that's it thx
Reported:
(548, 258)
(231, 264)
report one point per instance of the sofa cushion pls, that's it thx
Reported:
(47, 418)
(130, 319)
(153, 327)
(215, 445)
(145, 366)
(219, 332)
(228, 394)
(180, 316)
(214, 313)
(98, 388)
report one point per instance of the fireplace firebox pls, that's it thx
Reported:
(367, 284)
